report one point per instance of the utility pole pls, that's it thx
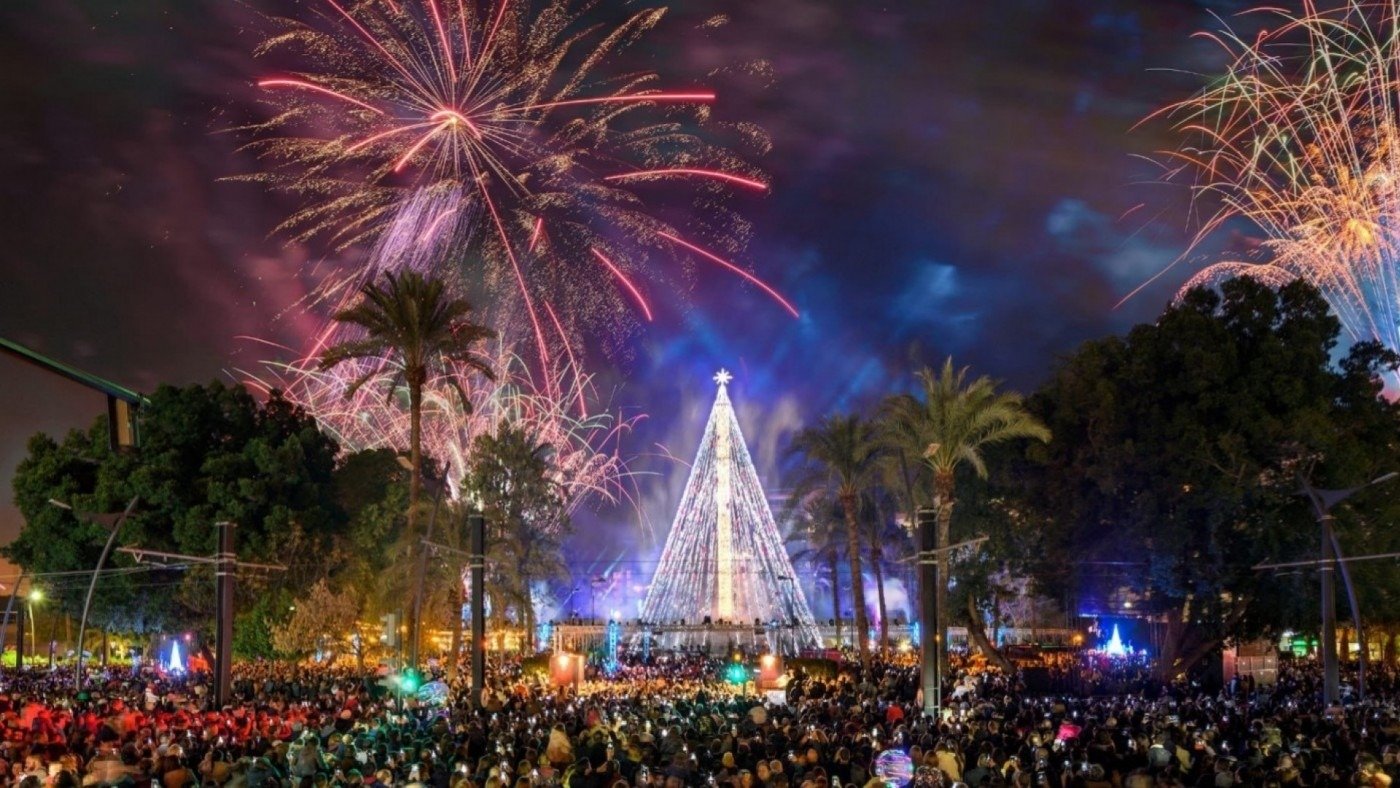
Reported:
(930, 678)
(226, 564)
(476, 522)
(930, 645)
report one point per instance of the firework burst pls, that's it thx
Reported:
(1300, 137)
(479, 133)
(586, 448)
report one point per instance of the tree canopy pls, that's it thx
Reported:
(1176, 452)
(208, 453)
(512, 477)
(416, 324)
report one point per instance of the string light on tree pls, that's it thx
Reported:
(724, 557)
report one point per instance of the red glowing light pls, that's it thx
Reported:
(627, 283)
(569, 351)
(446, 45)
(490, 37)
(391, 132)
(371, 39)
(303, 85)
(417, 146)
(519, 277)
(716, 174)
(452, 116)
(762, 285)
(535, 236)
(620, 99)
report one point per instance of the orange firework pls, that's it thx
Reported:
(1300, 137)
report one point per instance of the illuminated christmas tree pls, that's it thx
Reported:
(724, 558)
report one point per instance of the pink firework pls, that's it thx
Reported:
(484, 135)
(587, 448)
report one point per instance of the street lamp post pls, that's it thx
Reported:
(34, 595)
(19, 642)
(113, 522)
(1322, 502)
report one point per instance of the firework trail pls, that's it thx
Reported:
(1299, 137)
(479, 133)
(587, 449)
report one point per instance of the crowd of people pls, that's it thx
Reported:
(675, 721)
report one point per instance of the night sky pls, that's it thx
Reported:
(948, 176)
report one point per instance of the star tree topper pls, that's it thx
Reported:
(723, 377)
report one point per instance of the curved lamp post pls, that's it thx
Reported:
(1322, 502)
(113, 522)
(9, 608)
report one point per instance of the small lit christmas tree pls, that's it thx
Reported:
(724, 558)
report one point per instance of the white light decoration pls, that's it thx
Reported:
(1114, 647)
(724, 530)
(724, 557)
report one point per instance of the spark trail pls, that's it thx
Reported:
(1301, 137)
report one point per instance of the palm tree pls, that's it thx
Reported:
(883, 531)
(513, 475)
(949, 428)
(415, 323)
(822, 536)
(846, 450)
